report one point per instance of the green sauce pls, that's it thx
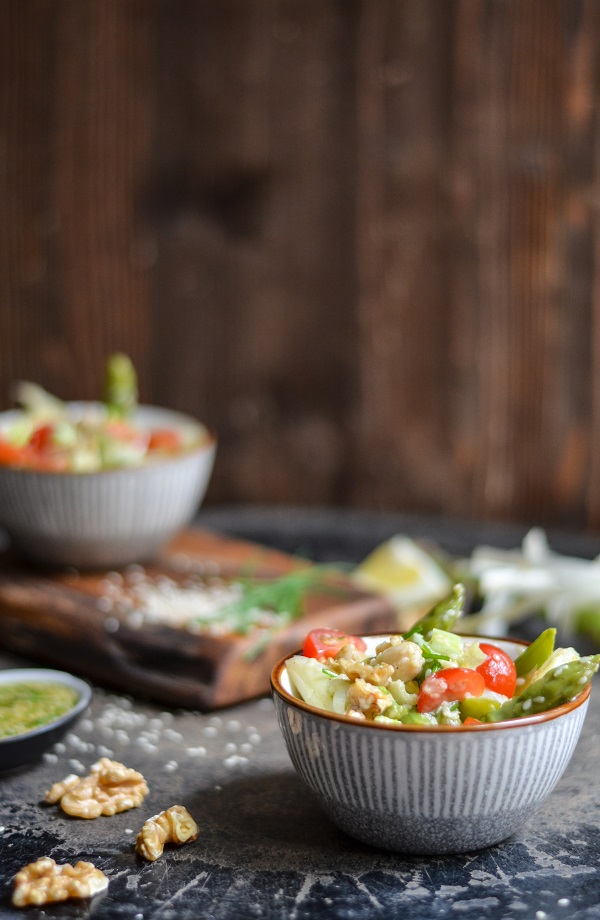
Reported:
(25, 706)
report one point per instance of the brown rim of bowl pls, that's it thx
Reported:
(549, 715)
(208, 443)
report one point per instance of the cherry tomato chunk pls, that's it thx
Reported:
(448, 686)
(41, 439)
(14, 456)
(498, 670)
(165, 439)
(326, 643)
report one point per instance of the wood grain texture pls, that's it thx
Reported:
(359, 239)
(60, 618)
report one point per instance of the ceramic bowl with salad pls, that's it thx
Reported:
(99, 484)
(431, 742)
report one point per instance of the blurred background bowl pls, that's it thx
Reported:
(427, 790)
(111, 517)
(19, 750)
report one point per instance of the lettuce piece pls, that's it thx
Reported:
(312, 683)
(445, 643)
(471, 656)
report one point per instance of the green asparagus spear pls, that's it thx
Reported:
(442, 616)
(536, 653)
(120, 386)
(556, 687)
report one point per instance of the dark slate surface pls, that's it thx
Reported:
(265, 849)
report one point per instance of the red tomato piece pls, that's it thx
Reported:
(498, 670)
(41, 439)
(122, 430)
(14, 456)
(326, 643)
(448, 686)
(165, 439)
(470, 720)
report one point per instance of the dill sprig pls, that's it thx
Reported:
(282, 597)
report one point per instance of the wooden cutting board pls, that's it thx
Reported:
(68, 620)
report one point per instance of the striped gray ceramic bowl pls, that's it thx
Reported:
(111, 517)
(427, 790)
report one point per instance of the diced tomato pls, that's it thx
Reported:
(49, 462)
(326, 643)
(41, 439)
(498, 670)
(448, 686)
(122, 430)
(165, 439)
(14, 456)
(471, 721)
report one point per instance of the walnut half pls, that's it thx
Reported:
(44, 881)
(175, 825)
(111, 787)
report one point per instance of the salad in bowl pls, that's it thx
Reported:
(431, 676)
(49, 435)
(431, 742)
(99, 484)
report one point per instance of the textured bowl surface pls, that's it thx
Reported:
(111, 517)
(427, 790)
(24, 749)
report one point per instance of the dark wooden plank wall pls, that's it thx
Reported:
(358, 237)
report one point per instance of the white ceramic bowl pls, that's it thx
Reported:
(107, 518)
(427, 790)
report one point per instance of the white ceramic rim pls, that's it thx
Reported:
(178, 420)
(278, 688)
(46, 676)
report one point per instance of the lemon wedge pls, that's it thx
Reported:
(405, 572)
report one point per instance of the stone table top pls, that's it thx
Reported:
(265, 849)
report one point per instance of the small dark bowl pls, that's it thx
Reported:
(18, 750)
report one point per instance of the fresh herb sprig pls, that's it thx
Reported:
(282, 598)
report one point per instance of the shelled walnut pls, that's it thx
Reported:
(175, 825)
(111, 787)
(44, 882)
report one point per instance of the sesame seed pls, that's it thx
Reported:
(197, 751)
(234, 760)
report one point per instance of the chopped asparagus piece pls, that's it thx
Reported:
(536, 653)
(120, 386)
(477, 707)
(556, 687)
(442, 616)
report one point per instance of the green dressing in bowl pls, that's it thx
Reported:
(26, 705)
